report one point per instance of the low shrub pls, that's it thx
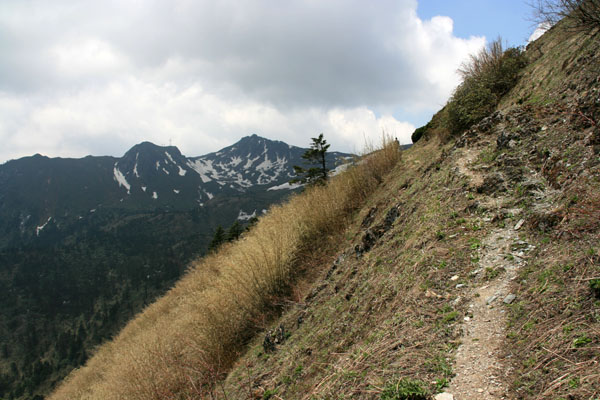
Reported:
(418, 133)
(486, 78)
(405, 389)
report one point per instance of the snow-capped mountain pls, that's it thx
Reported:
(254, 164)
(238, 181)
(253, 161)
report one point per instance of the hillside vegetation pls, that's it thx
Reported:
(472, 267)
(178, 346)
(86, 244)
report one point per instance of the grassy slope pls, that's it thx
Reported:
(357, 326)
(394, 313)
(371, 320)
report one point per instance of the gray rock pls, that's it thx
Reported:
(444, 396)
(506, 139)
(519, 224)
(491, 299)
(509, 299)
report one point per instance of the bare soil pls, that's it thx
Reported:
(480, 371)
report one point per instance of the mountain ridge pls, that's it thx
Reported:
(147, 176)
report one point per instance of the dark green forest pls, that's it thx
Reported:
(65, 294)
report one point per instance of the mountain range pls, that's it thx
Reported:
(38, 193)
(86, 243)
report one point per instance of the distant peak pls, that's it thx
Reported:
(146, 145)
(253, 137)
(149, 146)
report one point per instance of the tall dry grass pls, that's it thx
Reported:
(183, 343)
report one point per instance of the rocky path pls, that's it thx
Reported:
(479, 370)
(478, 367)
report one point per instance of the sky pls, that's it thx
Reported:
(80, 77)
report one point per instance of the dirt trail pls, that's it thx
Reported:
(480, 372)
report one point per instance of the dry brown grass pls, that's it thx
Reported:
(180, 345)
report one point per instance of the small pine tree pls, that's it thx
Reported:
(234, 232)
(251, 222)
(317, 173)
(218, 239)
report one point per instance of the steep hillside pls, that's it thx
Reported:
(86, 243)
(472, 268)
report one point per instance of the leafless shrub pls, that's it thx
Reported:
(584, 14)
(487, 58)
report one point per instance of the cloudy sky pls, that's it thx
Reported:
(81, 77)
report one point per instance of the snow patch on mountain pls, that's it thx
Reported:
(135, 171)
(278, 167)
(208, 194)
(41, 227)
(285, 186)
(165, 171)
(235, 161)
(154, 195)
(120, 178)
(339, 169)
(242, 216)
(170, 158)
(204, 168)
(250, 161)
(176, 191)
(182, 171)
(245, 183)
(265, 165)
(144, 188)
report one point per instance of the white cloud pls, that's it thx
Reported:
(360, 126)
(87, 57)
(90, 77)
(539, 31)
